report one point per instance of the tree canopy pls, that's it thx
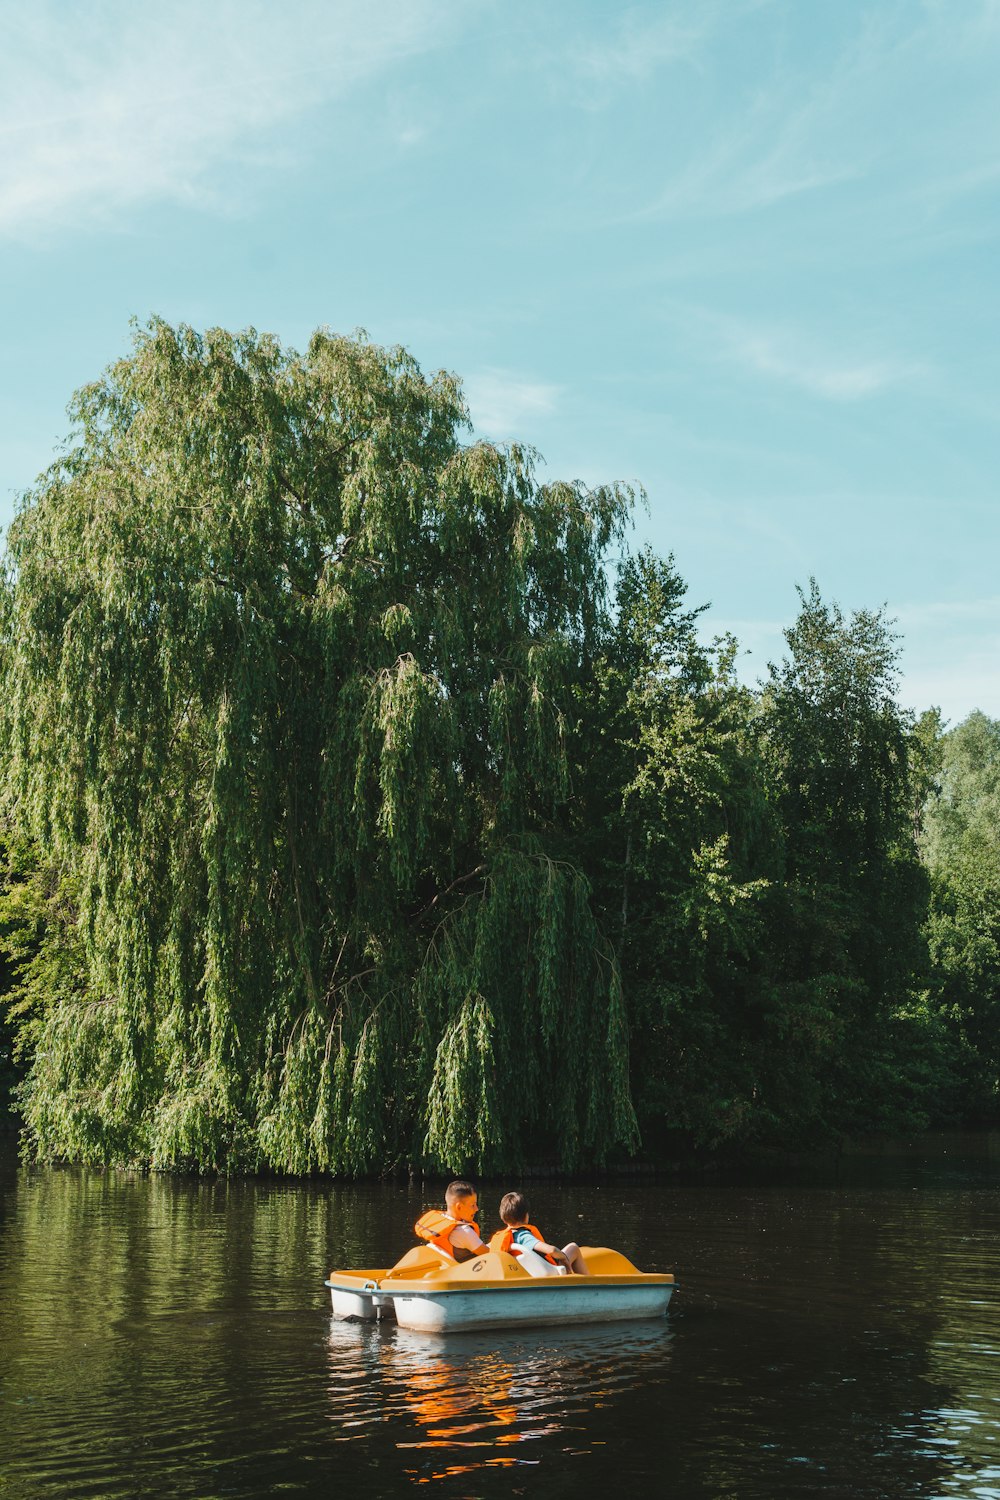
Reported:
(288, 668)
(367, 803)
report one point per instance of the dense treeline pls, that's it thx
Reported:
(360, 812)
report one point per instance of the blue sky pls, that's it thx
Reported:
(742, 252)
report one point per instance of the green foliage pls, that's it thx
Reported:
(847, 910)
(960, 840)
(354, 821)
(45, 969)
(762, 873)
(672, 819)
(288, 669)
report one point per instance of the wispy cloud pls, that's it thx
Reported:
(941, 664)
(107, 106)
(823, 374)
(788, 139)
(863, 114)
(969, 680)
(755, 166)
(951, 648)
(936, 613)
(796, 357)
(505, 405)
(640, 43)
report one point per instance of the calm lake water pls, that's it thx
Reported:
(835, 1337)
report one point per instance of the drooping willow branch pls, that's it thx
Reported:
(262, 766)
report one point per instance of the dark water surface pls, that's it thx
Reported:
(829, 1338)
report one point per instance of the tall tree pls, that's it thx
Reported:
(287, 672)
(845, 917)
(671, 825)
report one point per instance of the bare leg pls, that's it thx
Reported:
(574, 1255)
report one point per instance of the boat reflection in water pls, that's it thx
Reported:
(476, 1401)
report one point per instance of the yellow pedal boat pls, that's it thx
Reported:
(427, 1292)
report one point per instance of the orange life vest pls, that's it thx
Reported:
(437, 1229)
(503, 1240)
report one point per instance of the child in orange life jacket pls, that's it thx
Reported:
(536, 1255)
(454, 1233)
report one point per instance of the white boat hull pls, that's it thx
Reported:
(449, 1311)
(348, 1304)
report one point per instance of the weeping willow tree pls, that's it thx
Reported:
(288, 674)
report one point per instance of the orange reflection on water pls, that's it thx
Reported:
(458, 1403)
(462, 1401)
(471, 1402)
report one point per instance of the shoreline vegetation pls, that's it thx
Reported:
(370, 807)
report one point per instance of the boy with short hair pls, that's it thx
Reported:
(536, 1255)
(454, 1233)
